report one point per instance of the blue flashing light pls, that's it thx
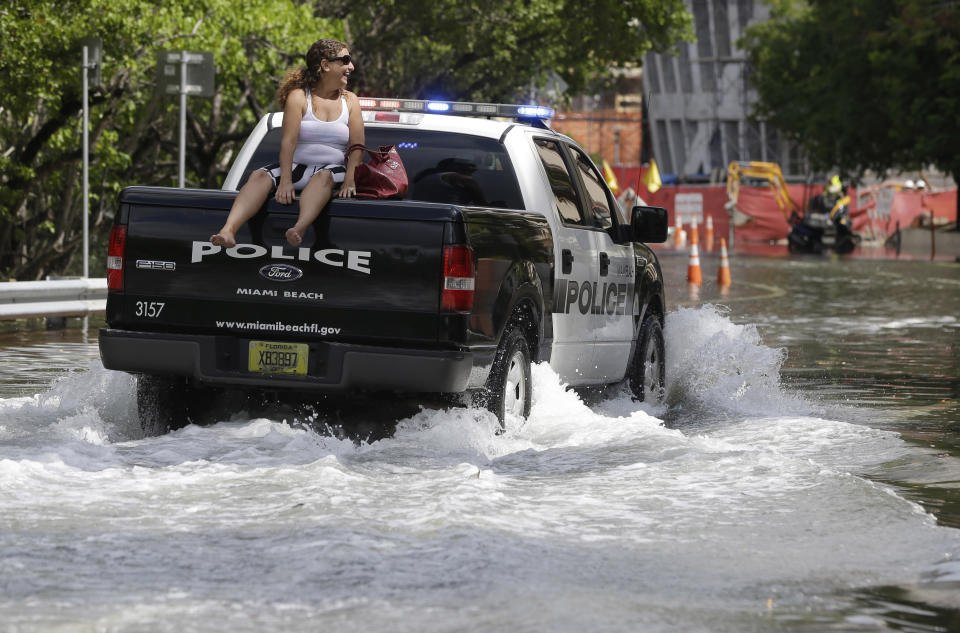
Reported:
(407, 145)
(535, 112)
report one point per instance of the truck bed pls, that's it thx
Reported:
(374, 275)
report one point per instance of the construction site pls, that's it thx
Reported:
(678, 133)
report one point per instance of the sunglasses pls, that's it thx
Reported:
(346, 59)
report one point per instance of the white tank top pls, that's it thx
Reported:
(322, 142)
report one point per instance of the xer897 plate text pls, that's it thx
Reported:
(267, 357)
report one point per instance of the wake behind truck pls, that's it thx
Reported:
(508, 249)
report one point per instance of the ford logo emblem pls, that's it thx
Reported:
(280, 272)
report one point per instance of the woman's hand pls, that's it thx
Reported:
(348, 189)
(284, 193)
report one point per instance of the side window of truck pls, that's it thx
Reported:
(564, 193)
(595, 189)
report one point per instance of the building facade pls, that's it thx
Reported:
(698, 102)
(609, 125)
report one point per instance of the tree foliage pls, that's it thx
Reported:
(862, 84)
(133, 131)
(494, 51)
(458, 49)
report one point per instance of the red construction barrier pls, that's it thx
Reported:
(943, 204)
(711, 202)
(761, 220)
(907, 207)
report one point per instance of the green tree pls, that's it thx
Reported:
(134, 132)
(863, 84)
(458, 49)
(493, 51)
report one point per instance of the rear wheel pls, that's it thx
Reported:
(509, 388)
(167, 403)
(647, 372)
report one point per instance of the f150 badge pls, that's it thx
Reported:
(336, 257)
(150, 264)
(280, 272)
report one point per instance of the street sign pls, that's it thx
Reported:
(184, 73)
(94, 55)
(200, 75)
(688, 206)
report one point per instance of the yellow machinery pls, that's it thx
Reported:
(756, 170)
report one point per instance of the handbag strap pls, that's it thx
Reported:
(381, 153)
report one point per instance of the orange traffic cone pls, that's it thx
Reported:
(723, 274)
(694, 276)
(679, 235)
(694, 235)
(708, 238)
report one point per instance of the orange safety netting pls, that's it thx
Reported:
(875, 210)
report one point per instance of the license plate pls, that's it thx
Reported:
(267, 357)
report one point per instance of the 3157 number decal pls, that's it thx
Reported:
(149, 309)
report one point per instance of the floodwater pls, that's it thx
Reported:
(804, 476)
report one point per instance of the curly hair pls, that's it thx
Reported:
(306, 76)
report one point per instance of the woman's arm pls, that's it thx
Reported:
(355, 123)
(292, 115)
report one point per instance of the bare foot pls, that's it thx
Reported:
(294, 238)
(223, 238)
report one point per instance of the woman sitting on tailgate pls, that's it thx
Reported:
(321, 119)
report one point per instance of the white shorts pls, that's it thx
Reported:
(303, 173)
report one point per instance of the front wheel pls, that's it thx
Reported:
(509, 387)
(647, 371)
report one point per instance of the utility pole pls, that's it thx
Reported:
(90, 61)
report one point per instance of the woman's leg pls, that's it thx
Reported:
(313, 198)
(251, 197)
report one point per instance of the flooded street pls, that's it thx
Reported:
(804, 475)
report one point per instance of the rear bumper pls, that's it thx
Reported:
(221, 360)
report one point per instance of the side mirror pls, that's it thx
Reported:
(649, 224)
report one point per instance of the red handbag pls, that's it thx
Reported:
(383, 176)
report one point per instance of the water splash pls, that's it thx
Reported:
(713, 363)
(596, 510)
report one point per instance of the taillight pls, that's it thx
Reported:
(118, 242)
(459, 279)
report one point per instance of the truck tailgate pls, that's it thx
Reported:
(367, 270)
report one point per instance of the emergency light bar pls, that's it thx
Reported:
(463, 108)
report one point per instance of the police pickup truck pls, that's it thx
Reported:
(508, 249)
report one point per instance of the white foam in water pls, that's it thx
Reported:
(866, 324)
(580, 518)
(714, 362)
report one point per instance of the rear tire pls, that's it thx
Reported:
(165, 403)
(509, 389)
(647, 371)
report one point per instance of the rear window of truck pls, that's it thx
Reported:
(441, 166)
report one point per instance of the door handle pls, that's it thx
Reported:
(566, 259)
(604, 264)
